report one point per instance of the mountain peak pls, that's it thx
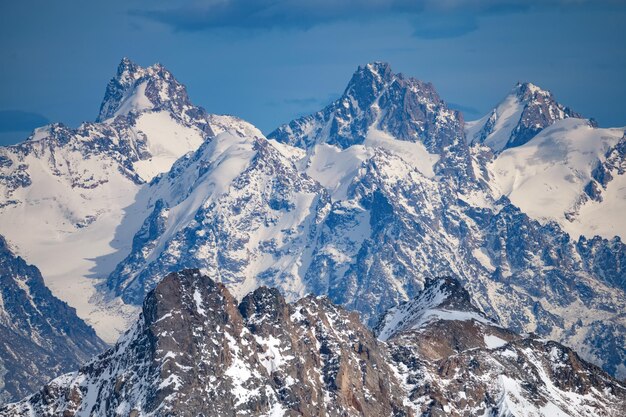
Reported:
(441, 299)
(367, 82)
(135, 89)
(519, 117)
(378, 100)
(127, 67)
(528, 89)
(380, 69)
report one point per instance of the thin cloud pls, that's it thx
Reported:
(305, 102)
(451, 17)
(440, 26)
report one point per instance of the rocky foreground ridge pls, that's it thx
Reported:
(196, 351)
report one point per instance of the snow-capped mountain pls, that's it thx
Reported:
(195, 351)
(237, 208)
(73, 186)
(525, 112)
(364, 201)
(547, 162)
(552, 178)
(398, 225)
(40, 335)
(382, 109)
(368, 223)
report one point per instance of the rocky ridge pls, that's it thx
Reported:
(195, 351)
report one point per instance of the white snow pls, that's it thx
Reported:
(272, 358)
(135, 101)
(335, 168)
(197, 298)
(483, 257)
(546, 176)
(606, 218)
(239, 373)
(167, 141)
(508, 114)
(493, 342)
(414, 153)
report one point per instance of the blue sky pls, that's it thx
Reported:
(269, 61)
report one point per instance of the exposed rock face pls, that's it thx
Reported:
(376, 99)
(456, 362)
(525, 112)
(195, 352)
(40, 336)
(613, 166)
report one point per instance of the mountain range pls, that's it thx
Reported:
(366, 202)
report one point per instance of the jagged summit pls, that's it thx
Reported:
(524, 112)
(195, 352)
(367, 82)
(527, 89)
(441, 299)
(375, 98)
(134, 89)
(381, 106)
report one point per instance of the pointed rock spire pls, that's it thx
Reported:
(135, 89)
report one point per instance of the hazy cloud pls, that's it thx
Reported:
(20, 121)
(466, 110)
(311, 102)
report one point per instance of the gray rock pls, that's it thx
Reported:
(40, 336)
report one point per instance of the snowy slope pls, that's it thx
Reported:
(69, 188)
(237, 208)
(547, 176)
(503, 118)
(546, 161)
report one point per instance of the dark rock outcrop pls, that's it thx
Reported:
(40, 336)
